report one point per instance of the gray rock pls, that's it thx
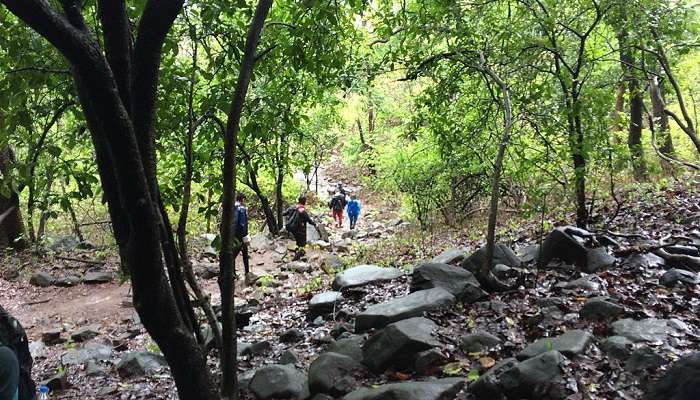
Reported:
(451, 278)
(452, 256)
(278, 382)
(600, 308)
(256, 349)
(473, 293)
(523, 380)
(569, 344)
(488, 386)
(325, 303)
(529, 253)
(675, 275)
(502, 254)
(588, 283)
(90, 351)
(260, 242)
(331, 263)
(94, 369)
(57, 382)
(207, 270)
(550, 302)
(350, 346)
(427, 359)
(52, 336)
(645, 330)
(41, 279)
(69, 280)
(412, 305)
(439, 389)
(643, 261)
(644, 358)
(140, 364)
(97, 277)
(363, 275)
(297, 266)
(10, 273)
(292, 335)
(398, 343)
(478, 342)
(316, 233)
(683, 250)
(322, 396)
(560, 245)
(245, 378)
(84, 334)
(289, 357)
(618, 347)
(318, 321)
(65, 243)
(332, 373)
(598, 259)
(37, 349)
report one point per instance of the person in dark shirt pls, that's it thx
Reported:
(297, 218)
(242, 237)
(9, 373)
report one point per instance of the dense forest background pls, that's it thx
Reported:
(132, 124)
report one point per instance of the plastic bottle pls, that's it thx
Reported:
(43, 393)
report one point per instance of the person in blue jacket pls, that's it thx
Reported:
(241, 222)
(353, 209)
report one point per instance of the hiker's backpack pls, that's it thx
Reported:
(337, 203)
(14, 337)
(292, 224)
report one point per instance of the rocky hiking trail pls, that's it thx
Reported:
(598, 315)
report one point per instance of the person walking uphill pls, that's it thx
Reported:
(241, 222)
(354, 208)
(297, 218)
(337, 205)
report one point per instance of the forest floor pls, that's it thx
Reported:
(547, 304)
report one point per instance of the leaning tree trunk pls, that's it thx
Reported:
(12, 233)
(122, 134)
(660, 120)
(229, 362)
(486, 276)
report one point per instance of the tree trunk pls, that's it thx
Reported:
(486, 275)
(229, 380)
(12, 233)
(660, 120)
(634, 135)
(71, 211)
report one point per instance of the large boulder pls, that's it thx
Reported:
(450, 256)
(324, 303)
(502, 254)
(363, 275)
(439, 389)
(260, 242)
(645, 330)
(412, 305)
(398, 343)
(139, 364)
(316, 233)
(332, 373)
(561, 244)
(451, 278)
(644, 358)
(569, 344)
(278, 382)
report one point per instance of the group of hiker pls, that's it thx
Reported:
(342, 201)
(296, 220)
